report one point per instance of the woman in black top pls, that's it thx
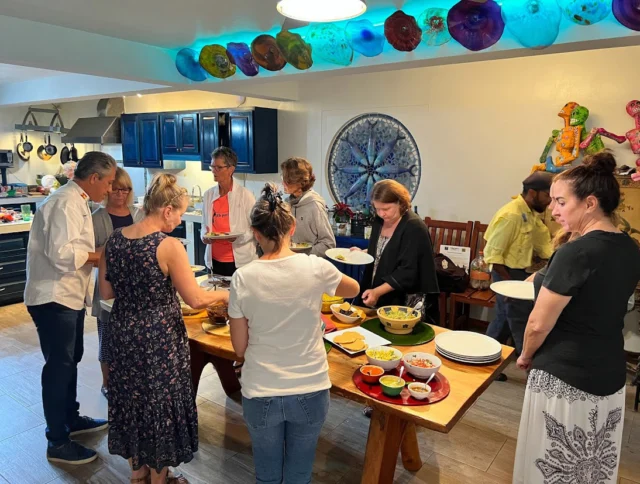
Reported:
(571, 426)
(401, 247)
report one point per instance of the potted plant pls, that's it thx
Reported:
(342, 214)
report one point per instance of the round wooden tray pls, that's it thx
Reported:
(440, 388)
(422, 333)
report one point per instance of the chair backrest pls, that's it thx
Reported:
(477, 239)
(443, 232)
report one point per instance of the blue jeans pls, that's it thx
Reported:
(61, 333)
(498, 329)
(284, 435)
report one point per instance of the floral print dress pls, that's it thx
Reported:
(152, 411)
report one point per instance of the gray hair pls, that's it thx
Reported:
(227, 154)
(95, 162)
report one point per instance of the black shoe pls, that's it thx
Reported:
(367, 411)
(71, 453)
(105, 392)
(84, 425)
(501, 377)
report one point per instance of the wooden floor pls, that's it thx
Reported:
(480, 449)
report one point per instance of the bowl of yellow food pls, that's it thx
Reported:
(327, 301)
(399, 319)
(385, 357)
(392, 385)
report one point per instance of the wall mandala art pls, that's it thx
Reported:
(369, 148)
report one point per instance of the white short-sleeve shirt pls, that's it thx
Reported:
(282, 299)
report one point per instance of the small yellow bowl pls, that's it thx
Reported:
(398, 326)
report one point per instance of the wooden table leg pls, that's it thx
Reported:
(227, 374)
(383, 444)
(198, 362)
(453, 306)
(410, 450)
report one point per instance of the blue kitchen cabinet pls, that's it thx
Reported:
(149, 132)
(130, 140)
(179, 135)
(240, 139)
(209, 139)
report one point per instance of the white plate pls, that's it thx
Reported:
(515, 289)
(466, 344)
(371, 339)
(354, 258)
(198, 268)
(222, 237)
(208, 285)
(466, 359)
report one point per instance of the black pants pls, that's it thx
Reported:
(511, 314)
(223, 268)
(61, 332)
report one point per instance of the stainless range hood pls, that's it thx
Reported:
(103, 129)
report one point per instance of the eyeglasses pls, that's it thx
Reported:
(121, 191)
(218, 167)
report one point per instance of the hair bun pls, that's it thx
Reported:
(601, 163)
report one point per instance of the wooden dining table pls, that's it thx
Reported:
(393, 427)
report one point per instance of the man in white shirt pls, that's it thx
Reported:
(60, 257)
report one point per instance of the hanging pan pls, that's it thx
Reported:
(24, 156)
(50, 149)
(42, 151)
(64, 154)
(27, 146)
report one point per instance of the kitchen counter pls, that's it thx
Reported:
(22, 200)
(15, 227)
(192, 217)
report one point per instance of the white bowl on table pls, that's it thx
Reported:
(386, 365)
(419, 395)
(335, 309)
(418, 371)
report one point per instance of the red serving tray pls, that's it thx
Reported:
(440, 388)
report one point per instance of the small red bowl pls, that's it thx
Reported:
(371, 373)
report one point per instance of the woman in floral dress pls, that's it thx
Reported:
(152, 411)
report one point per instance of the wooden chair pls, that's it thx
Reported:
(472, 297)
(443, 232)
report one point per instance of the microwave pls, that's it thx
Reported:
(6, 158)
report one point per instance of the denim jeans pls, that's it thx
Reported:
(511, 314)
(61, 332)
(284, 435)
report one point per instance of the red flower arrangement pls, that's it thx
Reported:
(342, 211)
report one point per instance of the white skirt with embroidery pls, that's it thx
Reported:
(567, 435)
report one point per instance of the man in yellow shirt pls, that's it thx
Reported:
(514, 234)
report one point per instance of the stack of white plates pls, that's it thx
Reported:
(468, 347)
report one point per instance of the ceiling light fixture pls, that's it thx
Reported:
(321, 10)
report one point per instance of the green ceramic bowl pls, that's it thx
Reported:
(390, 385)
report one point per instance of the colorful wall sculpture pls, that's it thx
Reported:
(476, 26)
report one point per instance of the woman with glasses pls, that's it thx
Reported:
(117, 212)
(226, 210)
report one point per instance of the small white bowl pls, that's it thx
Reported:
(335, 309)
(417, 371)
(419, 395)
(386, 365)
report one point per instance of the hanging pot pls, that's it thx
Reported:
(42, 151)
(24, 156)
(64, 154)
(50, 149)
(27, 146)
(73, 153)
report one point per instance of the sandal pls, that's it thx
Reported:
(175, 478)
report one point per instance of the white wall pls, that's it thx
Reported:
(480, 127)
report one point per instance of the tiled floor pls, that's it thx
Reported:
(480, 449)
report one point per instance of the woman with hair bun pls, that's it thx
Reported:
(309, 208)
(274, 312)
(572, 419)
(152, 411)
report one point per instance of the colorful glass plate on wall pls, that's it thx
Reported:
(585, 12)
(330, 44)
(240, 54)
(476, 26)
(214, 60)
(402, 31)
(365, 38)
(433, 22)
(188, 65)
(295, 50)
(627, 12)
(369, 148)
(266, 53)
(534, 23)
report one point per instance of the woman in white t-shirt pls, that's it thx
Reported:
(274, 311)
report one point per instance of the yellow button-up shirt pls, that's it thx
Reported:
(514, 234)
